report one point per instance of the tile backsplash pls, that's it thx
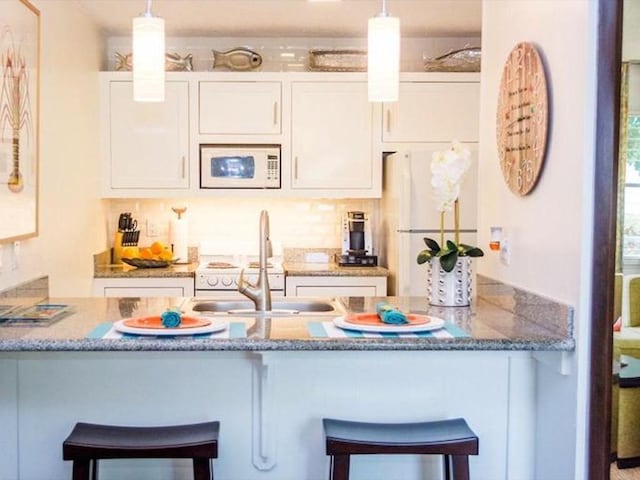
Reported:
(232, 223)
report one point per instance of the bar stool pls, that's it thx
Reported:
(87, 443)
(452, 438)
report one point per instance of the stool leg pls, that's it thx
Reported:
(340, 467)
(460, 467)
(202, 469)
(81, 469)
(94, 469)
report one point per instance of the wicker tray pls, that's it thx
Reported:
(147, 263)
(338, 60)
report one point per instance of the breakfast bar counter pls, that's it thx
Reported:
(269, 381)
(483, 326)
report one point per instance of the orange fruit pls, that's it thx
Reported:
(157, 248)
(166, 255)
(130, 252)
(145, 252)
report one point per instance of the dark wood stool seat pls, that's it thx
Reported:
(452, 438)
(89, 443)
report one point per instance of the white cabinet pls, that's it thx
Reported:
(331, 139)
(148, 143)
(144, 287)
(239, 108)
(433, 112)
(332, 286)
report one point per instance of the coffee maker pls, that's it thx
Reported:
(356, 241)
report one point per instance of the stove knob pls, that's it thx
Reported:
(227, 281)
(213, 281)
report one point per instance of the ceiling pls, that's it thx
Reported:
(291, 18)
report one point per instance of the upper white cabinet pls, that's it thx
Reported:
(331, 138)
(147, 143)
(240, 108)
(433, 112)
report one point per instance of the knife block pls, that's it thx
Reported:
(116, 256)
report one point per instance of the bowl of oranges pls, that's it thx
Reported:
(157, 255)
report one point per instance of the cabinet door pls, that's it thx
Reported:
(144, 287)
(236, 108)
(149, 142)
(331, 131)
(433, 112)
(319, 286)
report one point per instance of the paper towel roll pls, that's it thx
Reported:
(178, 238)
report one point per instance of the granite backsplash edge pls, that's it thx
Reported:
(548, 313)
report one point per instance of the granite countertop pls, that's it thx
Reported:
(126, 271)
(331, 270)
(501, 321)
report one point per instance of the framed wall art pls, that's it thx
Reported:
(19, 112)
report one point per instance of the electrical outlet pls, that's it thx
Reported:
(16, 255)
(152, 229)
(505, 252)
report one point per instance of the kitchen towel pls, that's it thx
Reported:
(329, 330)
(179, 240)
(106, 331)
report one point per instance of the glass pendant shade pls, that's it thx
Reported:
(148, 59)
(383, 58)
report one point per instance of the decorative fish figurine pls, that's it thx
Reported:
(123, 62)
(173, 62)
(240, 58)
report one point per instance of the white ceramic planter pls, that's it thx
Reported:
(450, 289)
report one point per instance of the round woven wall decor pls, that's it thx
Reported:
(522, 118)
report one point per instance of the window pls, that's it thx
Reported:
(631, 230)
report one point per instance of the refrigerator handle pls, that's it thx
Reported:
(405, 260)
(404, 195)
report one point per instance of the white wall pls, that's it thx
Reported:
(549, 230)
(71, 214)
(232, 223)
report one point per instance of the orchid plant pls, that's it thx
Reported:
(448, 168)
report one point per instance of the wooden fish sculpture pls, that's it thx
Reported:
(240, 58)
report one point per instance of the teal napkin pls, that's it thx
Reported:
(171, 318)
(390, 314)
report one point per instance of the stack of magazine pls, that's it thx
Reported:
(40, 314)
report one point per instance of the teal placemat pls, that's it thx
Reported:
(106, 331)
(329, 330)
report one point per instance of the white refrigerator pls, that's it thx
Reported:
(408, 214)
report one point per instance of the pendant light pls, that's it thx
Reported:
(148, 57)
(383, 57)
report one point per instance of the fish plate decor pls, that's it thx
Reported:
(449, 278)
(19, 100)
(522, 118)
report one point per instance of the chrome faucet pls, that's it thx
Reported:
(259, 293)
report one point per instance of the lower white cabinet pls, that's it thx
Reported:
(144, 287)
(332, 286)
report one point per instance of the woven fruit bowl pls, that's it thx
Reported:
(147, 262)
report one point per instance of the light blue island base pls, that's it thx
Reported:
(270, 406)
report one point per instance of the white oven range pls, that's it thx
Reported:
(217, 275)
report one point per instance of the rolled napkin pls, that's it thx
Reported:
(171, 318)
(390, 314)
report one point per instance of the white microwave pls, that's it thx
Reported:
(240, 166)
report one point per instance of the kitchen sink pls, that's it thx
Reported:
(280, 307)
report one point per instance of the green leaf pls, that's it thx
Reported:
(474, 252)
(449, 260)
(424, 256)
(432, 244)
(451, 246)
